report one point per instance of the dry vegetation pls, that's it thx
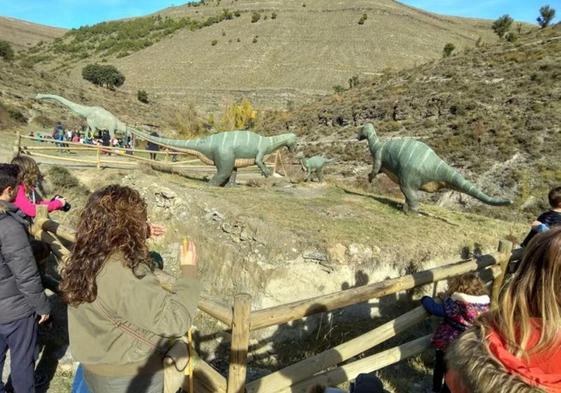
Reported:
(289, 54)
(493, 112)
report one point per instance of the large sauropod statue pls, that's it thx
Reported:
(415, 166)
(314, 165)
(96, 117)
(229, 150)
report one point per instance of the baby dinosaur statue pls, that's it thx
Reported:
(415, 166)
(228, 151)
(313, 165)
(96, 117)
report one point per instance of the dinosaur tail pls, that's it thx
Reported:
(161, 141)
(460, 183)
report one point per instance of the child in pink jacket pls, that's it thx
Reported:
(26, 198)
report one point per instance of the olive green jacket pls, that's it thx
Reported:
(108, 336)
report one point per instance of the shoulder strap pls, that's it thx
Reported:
(134, 333)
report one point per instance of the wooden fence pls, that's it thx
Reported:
(331, 367)
(101, 156)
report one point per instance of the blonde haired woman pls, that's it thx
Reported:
(517, 348)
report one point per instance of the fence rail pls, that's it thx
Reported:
(327, 367)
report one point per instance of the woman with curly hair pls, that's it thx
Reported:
(517, 347)
(120, 319)
(28, 179)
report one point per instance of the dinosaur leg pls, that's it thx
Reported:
(308, 174)
(259, 161)
(411, 202)
(319, 173)
(224, 166)
(232, 180)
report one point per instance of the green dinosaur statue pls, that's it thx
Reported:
(314, 165)
(228, 151)
(415, 166)
(96, 117)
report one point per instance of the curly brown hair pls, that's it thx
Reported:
(113, 220)
(29, 173)
(468, 283)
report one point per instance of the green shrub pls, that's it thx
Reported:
(338, 89)
(502, 25)
(16, 115)
(546, 16)
(103, 75)
(61, 178)
(448, 49)
(362, 19)
(353, 81)
(255, 17)
(214, 42)
(254, 40)
(142, 96)
(6, 51)
(237, 14)
(274, 15)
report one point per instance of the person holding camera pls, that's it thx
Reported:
(27, 198)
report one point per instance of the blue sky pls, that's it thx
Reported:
(75, 13)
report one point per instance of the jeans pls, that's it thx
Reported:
(19, 337)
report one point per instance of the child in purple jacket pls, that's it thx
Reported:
(466, 299)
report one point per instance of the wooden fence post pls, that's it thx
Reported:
(98, 157)
(505, 250)
(17, 144)
(240, 343)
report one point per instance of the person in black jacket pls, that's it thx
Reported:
(547, 219)
(22, 299)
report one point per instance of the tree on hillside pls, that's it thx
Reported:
(103, 75)
(6, 51)
(502, 25)
(546, 16)
(448, 49)
(255, 17)
(142, 96)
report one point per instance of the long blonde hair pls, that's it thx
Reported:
(533, 295)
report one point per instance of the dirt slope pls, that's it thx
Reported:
(22, 34)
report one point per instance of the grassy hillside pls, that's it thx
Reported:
(23, 35)
(493, 111)
(276, 53)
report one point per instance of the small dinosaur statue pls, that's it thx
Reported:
(228, 151)
(314, 165)
(96, 117)
(415, 166)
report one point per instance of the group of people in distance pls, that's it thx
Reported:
(121, 321)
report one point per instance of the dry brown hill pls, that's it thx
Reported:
(22, 34)
(297, 50)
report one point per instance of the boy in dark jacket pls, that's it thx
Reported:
(21, 294)
(549, 218)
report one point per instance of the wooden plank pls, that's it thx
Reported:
(505, 250)
(306, 368)
(288, 312)
(207, 378)
(240, 343)
(365, 365)
(65, 233)
(216, 310)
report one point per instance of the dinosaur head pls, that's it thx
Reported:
(366, 132)
(291, 140)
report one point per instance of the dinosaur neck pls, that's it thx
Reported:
(374, 142)
(278, 141)
(79, 109)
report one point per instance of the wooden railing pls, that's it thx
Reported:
(327, 367)
(100, 155)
